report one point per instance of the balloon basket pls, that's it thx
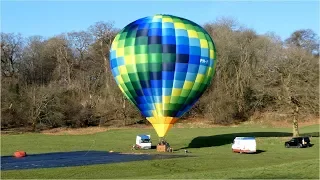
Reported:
(163, 146)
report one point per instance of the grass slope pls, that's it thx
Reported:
(210, 146)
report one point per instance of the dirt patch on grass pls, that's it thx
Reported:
(284, 123)
(88, 130)
(189, 123)
(301, 124)
(281, 120)
(199, 123)
(205, 123)
(74, 131)
(182, 123)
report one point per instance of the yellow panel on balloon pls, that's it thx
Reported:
(159, 108)
(176, 92)
(211, 54)
(167, 19)
(209, 71)
(166, 99)
(192, 34)
(119, 79)
(123, 69)
(157, 16)
(179, 25)
(187, 85)
(154, 113)
(129, 60)
(120, 52)
(114, 45)
(122, 90)
(161, 128)
(199, 78)
(203, 43)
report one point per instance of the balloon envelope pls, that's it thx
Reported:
(163, 64)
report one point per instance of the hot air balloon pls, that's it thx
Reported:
(163, 64)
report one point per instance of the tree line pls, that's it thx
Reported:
(65, 80)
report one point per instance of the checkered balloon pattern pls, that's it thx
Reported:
(163, 64)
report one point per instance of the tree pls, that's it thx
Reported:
(84, 66)
(80, 41)
(37, 99)
(11, 51)
(292, 78)
(236, 56)
(11, 55)
(58, 48)
(306, 39)
(104, 33)
(36, 66)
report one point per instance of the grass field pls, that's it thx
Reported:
(210, 148)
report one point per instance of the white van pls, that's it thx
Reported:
(244, 145)
(143, 142)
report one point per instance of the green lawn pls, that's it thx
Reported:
(210, 147)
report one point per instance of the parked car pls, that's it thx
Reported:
(299, 142)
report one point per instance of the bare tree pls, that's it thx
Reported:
(38, 98)
(236, 58)
(80, 41)
(84, 65)
(104, 33)
(61, 52)
(11, 51)
(292, 78)
(306, 39)
(35, 67)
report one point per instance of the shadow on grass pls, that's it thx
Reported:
(312, 134)
(258, 151)
(223, 139)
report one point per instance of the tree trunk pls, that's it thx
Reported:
(295, 122)
(34, 125)
(58, 66)
(69, 66)
(33, 110)
(124, 111)
(68, 74)
(105, 63)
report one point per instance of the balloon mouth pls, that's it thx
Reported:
(162, 124)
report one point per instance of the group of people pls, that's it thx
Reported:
(163, 142)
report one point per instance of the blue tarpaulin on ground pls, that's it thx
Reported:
(67, 159)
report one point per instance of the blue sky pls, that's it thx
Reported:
(48, 18)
